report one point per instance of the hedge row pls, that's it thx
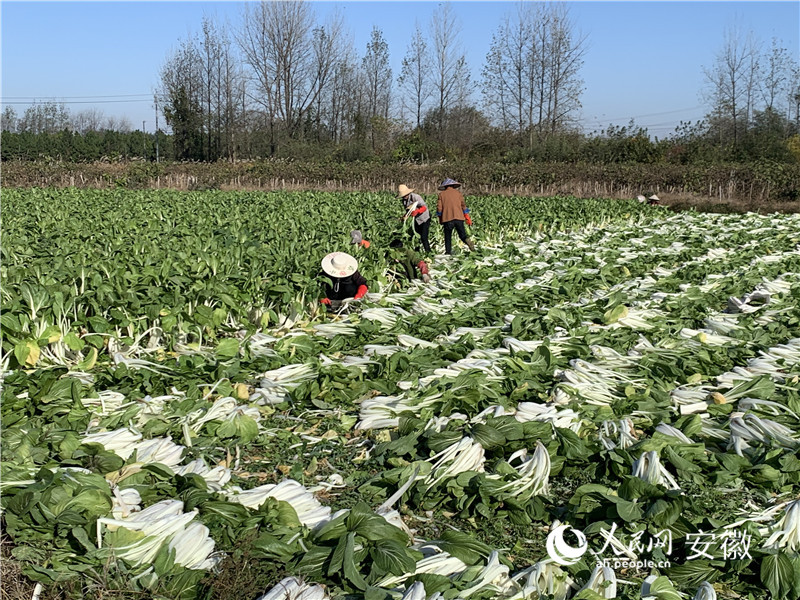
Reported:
(759, 181)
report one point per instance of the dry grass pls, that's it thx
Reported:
(714, 205)
(13, 584)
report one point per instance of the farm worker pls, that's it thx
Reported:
(358, 240)
(343, 279)
(415, 207)
(653, 200)
(452, 212)
(407, 263)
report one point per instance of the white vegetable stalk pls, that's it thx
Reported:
(786, 534)
(534, 474)
(309, 510)
(622, 430)
(331, 330)
(387, 317)
(125, 502)
(157, 524)
(565, 418)
(603, 580)
(380, 350)
(194, 547)
(290, 376)
(382, 412)
(159, 450)
(107, 400)
(438, 564)
(226, 409)
(415, 592)
(648, 467)
(708, 337)
(543, 578)
(748, 427)
(292, 588)
(120, 441)
(464, 455)
(705, 592)
(410, 341)
(493, 576)
(666, 429)
(215, 478)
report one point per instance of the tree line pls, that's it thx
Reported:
(281, 84)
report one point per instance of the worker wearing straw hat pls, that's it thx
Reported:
(415, 207)
(452, 212)
(343, 281)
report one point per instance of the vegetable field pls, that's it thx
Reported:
(602, 401)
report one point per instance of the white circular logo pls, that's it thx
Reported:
(561, 552)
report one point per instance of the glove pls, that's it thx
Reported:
(418, 212)
(468, 219)
(325, 301)
(423, 268)
(362, 291)
(426, 278)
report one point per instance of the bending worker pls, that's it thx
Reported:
(407, 263)
(343, 281)
(419, 211)
(356, 239)
(452, 212)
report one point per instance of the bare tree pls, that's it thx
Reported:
(776, 72)
(493, 85)
(286, 60)
(91, 119)
(531, 77)
(330, 46)
(378, 75)
(731, 82)
(378, 83)
(450, 72)
(9, 119)
(565, 61)
(343, 95)
(415, 90)
(45, 117)
(794, 93)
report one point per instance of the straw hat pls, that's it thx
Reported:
(403, 190)
(339, 264)
(653, 197)
(448, 182)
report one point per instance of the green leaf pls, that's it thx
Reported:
(349, 565)
(777, 574)
(27, 353)
(227, 348)
(73, 342)
(663, 589)
(488, 437)
(313, 562)
(615, 314)
(392, 557)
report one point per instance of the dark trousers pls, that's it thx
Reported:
(448, 227)
(423, 230)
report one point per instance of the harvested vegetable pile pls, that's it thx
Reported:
(602, 401)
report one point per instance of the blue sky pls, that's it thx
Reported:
(644, 60)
